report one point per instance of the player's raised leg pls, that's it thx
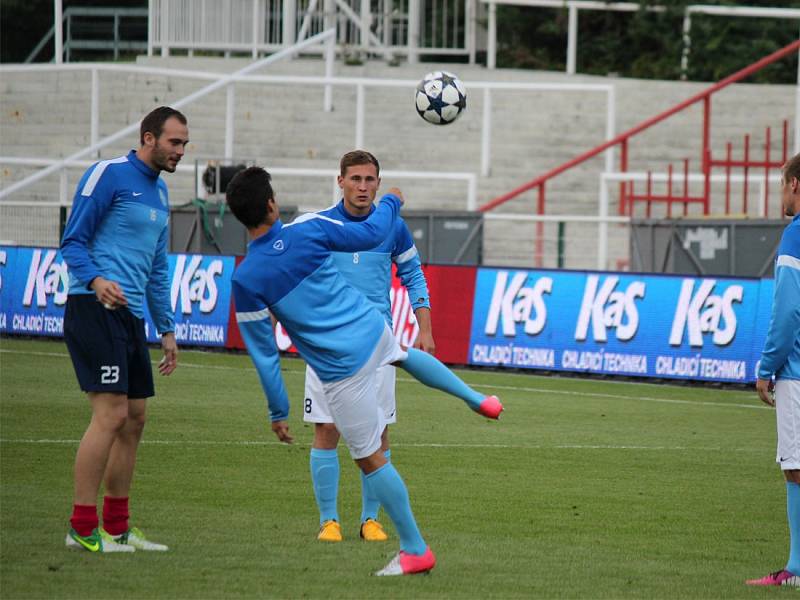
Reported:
(429, 370)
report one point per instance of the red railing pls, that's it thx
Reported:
(622, 139)
(746, 163)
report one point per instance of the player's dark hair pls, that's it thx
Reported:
(792, 168)
(155, 119)
(358, 157)
(247, 195)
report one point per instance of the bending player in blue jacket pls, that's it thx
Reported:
(289, 272)
(370, 272)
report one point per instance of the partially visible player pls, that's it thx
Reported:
(115, 246)
(781, 359)
(288, 272)
(370, 272)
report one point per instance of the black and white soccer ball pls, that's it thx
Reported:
(441, 98)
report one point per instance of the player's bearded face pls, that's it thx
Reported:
(170, 145)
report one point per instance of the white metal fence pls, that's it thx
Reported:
(386, 27)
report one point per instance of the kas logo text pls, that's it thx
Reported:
(195, 285)
(513, 302)
(702, 312)
(606, 308)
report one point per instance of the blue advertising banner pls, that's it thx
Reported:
(201, 299)
(34, 287)
(708, 329)
(33, 291)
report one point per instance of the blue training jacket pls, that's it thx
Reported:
(118, 230)
(781, 354)
(290, 273)
(370, 271)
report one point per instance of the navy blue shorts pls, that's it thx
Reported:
(108, 348)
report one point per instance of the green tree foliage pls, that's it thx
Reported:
(648, 44)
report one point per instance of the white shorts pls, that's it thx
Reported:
(353, 401)
(315, 405)
(787, 412)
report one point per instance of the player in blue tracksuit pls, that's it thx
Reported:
(115, 247)
(780, 360)
(370, 272)
(289, 272)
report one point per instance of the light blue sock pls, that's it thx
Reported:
(793, 512)
(369, 503)
(428, 370)
(387, 485)
(325, 479)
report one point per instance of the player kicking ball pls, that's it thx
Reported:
(288, 272)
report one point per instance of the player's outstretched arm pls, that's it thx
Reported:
(255, 326)
(362, 235)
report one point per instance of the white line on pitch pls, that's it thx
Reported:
(412, 445)
(755, 405)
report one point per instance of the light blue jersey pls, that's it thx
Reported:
(290, 273)
(370, 271)
(118, 230)
(781, 355)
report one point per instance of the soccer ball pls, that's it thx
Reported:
(440, 98)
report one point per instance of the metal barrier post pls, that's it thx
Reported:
(572, 39)
(230, 110)
(95, 108)
(255, 29)
(288, 26)
(491, 41)
(360, 115)
(486, 135)
(59, 32)
(413, 32)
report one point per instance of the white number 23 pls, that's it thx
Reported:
(109, 374)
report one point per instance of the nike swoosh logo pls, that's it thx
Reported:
(137, 194)
(94, 547)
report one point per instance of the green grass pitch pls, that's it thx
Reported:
(584, 489)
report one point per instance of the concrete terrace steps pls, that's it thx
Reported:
(280, 125)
